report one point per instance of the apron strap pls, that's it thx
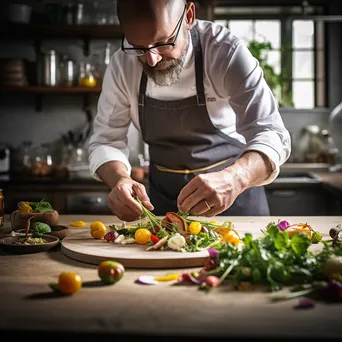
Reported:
(198, 66)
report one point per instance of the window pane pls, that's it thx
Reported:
(268, 30)
(222, 22)
(273, 58)
(303, 64)
(303, 94)
(303, 34)
(243, 29)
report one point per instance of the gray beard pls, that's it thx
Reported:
(171, 72)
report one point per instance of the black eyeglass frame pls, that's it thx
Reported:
(144, 50)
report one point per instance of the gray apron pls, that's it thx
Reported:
(181, 136)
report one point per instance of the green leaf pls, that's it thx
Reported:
(281, 240)
(40, 207)
(300, 244)
(40, 228)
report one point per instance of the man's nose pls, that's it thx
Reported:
(152, 59)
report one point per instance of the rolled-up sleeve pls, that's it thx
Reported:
(257, 115)
(108, 141)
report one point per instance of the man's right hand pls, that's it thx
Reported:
(121, 199)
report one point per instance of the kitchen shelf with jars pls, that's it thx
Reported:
(54, 72)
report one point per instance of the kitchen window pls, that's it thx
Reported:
(296, 50)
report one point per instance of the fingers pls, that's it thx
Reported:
(140, 192)
(122, 203)
(121, 210)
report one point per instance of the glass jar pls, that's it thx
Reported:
(42, 161)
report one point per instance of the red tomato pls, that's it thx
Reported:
(154, 239)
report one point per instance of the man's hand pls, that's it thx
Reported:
(121, 199)
(217, 190)
(212, 193)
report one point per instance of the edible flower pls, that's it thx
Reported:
(282, 225)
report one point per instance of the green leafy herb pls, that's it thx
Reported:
(42, 206)
(40, 228)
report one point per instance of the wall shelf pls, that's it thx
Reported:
(49, 31)
(51, 90)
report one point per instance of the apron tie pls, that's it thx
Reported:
(187, 171)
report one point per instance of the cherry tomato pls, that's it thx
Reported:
(154, 238)
(142, 236)
(195, 228)
(98, 230)
(69, 282)
(110, 272)
(232, 237)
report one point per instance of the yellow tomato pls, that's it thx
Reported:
(195, 228)
(69, 282)
(98, 230)
(142, 236)
(78, 223)
(232, 237)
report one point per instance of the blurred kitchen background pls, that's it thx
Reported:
(52, 59)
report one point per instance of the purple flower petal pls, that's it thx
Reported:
(282, 225)
(213, 253)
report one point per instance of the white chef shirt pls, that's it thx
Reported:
(239, 102)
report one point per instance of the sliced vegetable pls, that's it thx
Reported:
(78, 223)
(111, 236)
(168, 277)
(177, 221)
(158, 245)
(147, 280)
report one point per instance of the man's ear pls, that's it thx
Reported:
(190, 15)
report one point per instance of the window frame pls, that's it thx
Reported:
(286, 16)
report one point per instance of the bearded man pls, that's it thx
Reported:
(199, 99)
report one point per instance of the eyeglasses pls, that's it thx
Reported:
(158, 49)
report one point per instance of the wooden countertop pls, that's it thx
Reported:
(29, 307)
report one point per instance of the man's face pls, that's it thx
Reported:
(163, 68)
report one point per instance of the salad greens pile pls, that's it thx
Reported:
(276, 259)
(209, 234)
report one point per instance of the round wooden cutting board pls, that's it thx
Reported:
(82, 247)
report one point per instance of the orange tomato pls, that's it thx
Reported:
(69, 282)
(142, 236)
(98, 230)
(232, 237)
(194, 228)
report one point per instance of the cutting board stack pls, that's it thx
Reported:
(13, 73)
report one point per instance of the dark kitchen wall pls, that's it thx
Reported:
(19, 119)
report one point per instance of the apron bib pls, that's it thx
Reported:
(181, 136)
